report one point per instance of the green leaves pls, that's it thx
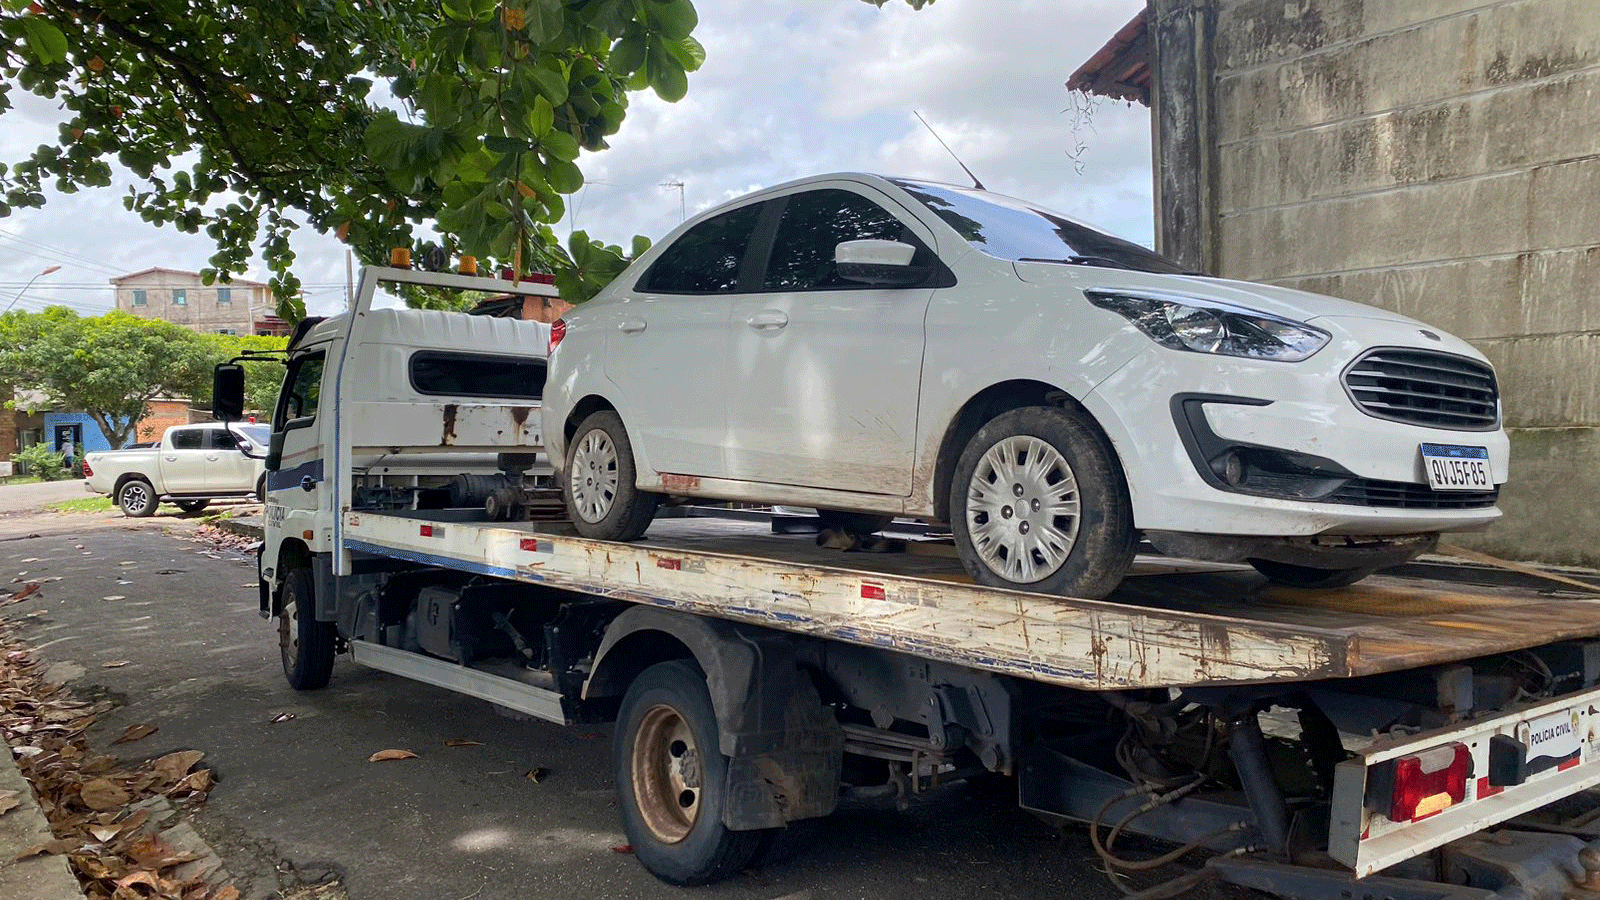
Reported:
(45, 41)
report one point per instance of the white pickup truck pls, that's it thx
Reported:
(191, 466)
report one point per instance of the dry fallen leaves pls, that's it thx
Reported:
(537, 774)
(174, 766)
(282, 717)
(462, 742)
(114, 597)
(383, 755)
(135, 732)
(101, 795)
(115, 664)
(8, 801)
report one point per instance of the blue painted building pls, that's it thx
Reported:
(77, 427)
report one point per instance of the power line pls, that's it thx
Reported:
(73, 257)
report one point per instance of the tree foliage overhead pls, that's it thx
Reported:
(108, 366)
(234, 114)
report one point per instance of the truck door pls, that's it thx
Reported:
(228, 470)
(293, 486)
(183, 460)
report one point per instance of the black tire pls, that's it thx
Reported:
(261, 489)
(306, 645)
(599, 508)
(1290, 575)
(667, 724)
(191, 506)
(137, 498)
(853, 522)
(1102, 537)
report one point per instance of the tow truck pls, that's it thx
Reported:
(1432, 733)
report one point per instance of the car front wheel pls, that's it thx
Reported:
(1038, 503)
(600, 483)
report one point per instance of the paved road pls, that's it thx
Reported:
(298, 801)
(20, 497)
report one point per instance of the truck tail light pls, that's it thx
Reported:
(86, 470)
(558, 330)
(1430, 782)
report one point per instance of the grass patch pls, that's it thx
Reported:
(22, 479)
(83, 505)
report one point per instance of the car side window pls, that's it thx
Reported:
(816, 222)
(301, 390)
(707, 258)
(223, 439)
(188, 439)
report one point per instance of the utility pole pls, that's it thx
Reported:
(683, 210)
(46, 271)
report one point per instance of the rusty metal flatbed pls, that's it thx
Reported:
(1172, 623)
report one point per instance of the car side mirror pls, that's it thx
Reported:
(877, 262)
(227, 392)
(275, 453)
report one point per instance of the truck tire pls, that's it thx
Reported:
(600, 486)
(853, 522)
(261, 489)
(190, 506)
(672, 779)
(305, 644)
(1038, 502)
(1291, 575)
(137, 498)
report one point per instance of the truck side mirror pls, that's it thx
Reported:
(274, 453)
(227, 392)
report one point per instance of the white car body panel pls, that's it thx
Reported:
(205, 471)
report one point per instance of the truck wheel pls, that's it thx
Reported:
(601, 485)
(1039, 503)
(261, 489)
(306, 645)
(1291, 575)
(137, 498)
(853, 522)
(190, 506)
(672, 779)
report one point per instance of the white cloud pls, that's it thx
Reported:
(790, 88)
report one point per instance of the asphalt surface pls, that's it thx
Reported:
(299, 803)
(20, 497)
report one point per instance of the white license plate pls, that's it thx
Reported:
(1454, 468)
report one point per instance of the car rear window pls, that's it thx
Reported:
(188, 439)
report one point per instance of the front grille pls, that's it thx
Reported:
(1424, 387)
(1405, 495)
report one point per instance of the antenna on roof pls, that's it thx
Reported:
(975, 182)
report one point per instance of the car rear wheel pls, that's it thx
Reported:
(600, 483)
(672, 779)
(190, 506)
(1291, 575)
(1039, 503)
(137, 498)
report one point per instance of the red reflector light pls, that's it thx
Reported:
(558, 330)
(873, 592)
(1430, 782)
(86, 470)
(426, 531)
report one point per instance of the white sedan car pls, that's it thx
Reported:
(878, 347)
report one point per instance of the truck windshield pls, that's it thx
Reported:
(1019, 231)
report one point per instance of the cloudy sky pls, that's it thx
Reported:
(789, 88)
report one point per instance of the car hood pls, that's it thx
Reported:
(1302, 306)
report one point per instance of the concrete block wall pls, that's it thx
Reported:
(1440, 158)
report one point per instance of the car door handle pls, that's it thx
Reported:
(768, 320)
(631, 326)
(172, 459)
(213, 457)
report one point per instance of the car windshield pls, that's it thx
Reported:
(1023, 232)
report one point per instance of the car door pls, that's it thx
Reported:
(824, 373)
(665, 346)
(183, 460)
(228, 470)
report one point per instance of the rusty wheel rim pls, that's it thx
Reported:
(289, 633)
(667, 774)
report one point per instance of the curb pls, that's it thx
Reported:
(38, 877)
(250, 526)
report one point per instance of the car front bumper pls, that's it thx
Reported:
(1171, 416)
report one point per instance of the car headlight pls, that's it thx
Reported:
(1205, 326)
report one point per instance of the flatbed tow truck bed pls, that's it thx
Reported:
(1172, 623)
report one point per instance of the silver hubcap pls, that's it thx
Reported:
(1022, 509)
(289, 632)
(135, 498)
(594, 475)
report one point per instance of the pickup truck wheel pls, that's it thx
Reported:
(1291, 575)
(601, 485)
(672, 779)
(190, 506)
(1039, 503)
(853, 522)
(306, 645)
(137, 498)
